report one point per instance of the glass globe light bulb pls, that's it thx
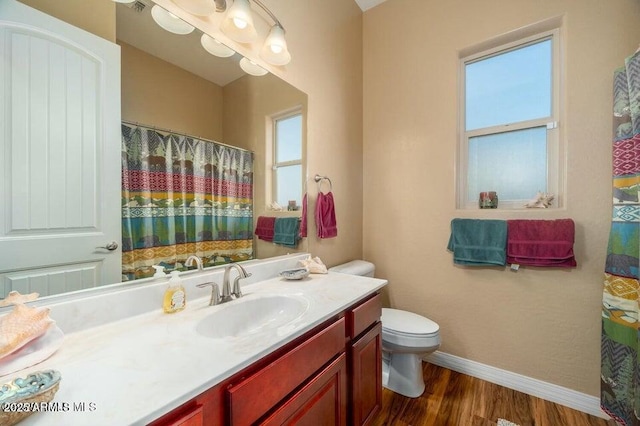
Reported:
(240, 23)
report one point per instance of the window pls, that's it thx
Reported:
(287, 159)
(509, 128)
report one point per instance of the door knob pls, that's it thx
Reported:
(111, 246)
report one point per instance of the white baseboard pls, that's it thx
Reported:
(548, 391)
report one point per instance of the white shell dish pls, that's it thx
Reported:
(295, 274)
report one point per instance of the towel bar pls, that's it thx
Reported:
(319, 180)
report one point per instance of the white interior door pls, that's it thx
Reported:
(60, 155)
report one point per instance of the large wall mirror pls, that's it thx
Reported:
(171, 85)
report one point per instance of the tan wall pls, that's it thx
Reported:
(541, 323)
(157, 93)
(248, 101)
(325, 41)
(96, 16)
(327, 66)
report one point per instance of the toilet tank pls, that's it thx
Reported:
(356, 267)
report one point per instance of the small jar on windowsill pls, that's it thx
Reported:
(488, 200)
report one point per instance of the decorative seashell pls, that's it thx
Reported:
(14, 297)
(36, 388)
(22, 325)
(542, 201)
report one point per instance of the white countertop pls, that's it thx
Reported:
(135, 370)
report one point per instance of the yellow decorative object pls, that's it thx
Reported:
(22, 325)
(14, 297)
(174, 299)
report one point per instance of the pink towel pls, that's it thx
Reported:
(303, 219)
(326, 216)
(264, 228)
(541, 242)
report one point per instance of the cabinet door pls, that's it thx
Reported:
(256, 395)
(366, 376)
(321, 402)
(204, 410)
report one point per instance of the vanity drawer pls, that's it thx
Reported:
(255, 396)
(362, 316)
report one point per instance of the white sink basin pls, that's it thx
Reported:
(252, 314)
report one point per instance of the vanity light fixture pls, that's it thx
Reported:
(202, 7)
(238, 22)
(238, 25)
(275, 49)
(252, 68)
(169, 21)
(124, 1)
(214, 47)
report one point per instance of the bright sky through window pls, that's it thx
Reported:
(509, 87)
(288, 154)
(289, 135)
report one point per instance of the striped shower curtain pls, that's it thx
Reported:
(620, 373)
(183, 196)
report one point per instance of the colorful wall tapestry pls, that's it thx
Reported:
(183, 196)
(620, 373)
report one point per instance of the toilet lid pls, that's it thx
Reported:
(407, 323)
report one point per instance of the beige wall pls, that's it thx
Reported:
(157, 93)
(95, 16)
(325, 41)
(327, 66)
(541, 323)
(248, 101)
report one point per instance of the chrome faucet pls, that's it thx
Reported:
(193, 258)
(215, 293)
(227, 291)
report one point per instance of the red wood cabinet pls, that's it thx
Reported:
(329, 376)
(365, 360)
(254, 396)
(365, 375)
(322, 401)
(191, 417)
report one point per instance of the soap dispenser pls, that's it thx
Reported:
(159, 271)
(174, 297)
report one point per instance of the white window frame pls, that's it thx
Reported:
(555, 150)
(272, 164)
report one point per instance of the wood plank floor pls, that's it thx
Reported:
(455, 399)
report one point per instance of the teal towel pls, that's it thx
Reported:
(476, 242)
(286, 231)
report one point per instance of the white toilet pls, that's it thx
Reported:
(406, 338)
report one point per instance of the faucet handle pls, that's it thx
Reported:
(244, 271)
(236, 283)
(215, 292)
(236, 287)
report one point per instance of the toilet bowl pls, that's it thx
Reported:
(406, 338)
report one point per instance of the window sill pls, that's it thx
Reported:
(283, 213)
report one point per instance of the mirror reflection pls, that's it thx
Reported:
(178, 94)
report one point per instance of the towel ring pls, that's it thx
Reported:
(319, 180)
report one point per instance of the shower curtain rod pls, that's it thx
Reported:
(173, 132)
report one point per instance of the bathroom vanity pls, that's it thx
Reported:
(318, 359)
(330, 375)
